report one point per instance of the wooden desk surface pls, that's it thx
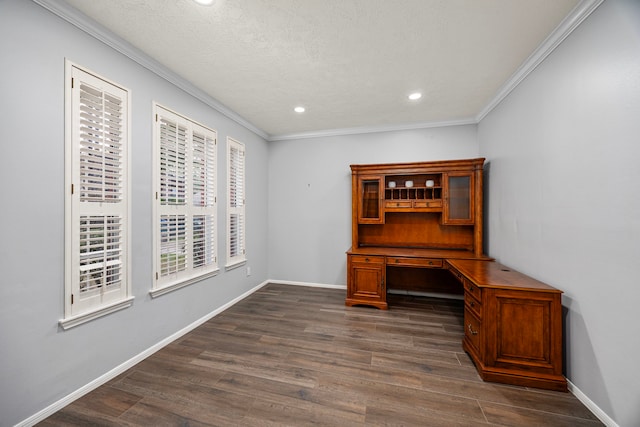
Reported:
(490, 274)
(415, 252)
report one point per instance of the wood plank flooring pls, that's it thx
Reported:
(294, 356)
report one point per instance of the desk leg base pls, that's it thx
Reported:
(382, 305)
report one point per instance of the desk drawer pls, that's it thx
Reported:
(471, 289)
(455, 272)
(414, 262)
(468, 285)
(427, 204)
(367, 259)
(473, 304)
(472, 328)
(398, 204)
(412, 204)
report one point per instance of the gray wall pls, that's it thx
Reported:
(564, 197)
(310, 193)
(40, 363)
(562, 202)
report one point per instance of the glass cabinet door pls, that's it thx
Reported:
(370, 203)
(458, 207)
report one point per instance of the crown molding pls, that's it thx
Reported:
(371, 129)
(562, 31)
(91, 27)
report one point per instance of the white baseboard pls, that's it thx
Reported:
(602, 416)
(103, 379)
(313, 285)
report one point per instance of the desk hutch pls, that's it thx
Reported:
(412, 215)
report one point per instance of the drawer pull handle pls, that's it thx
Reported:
(430, 262)
(366, 260)
(397, 261)
(472, 331)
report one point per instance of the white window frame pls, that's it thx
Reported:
(188, 205)
(236, 202)
(97, 196)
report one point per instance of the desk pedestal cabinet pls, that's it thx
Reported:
(512, 324)
(367, 281)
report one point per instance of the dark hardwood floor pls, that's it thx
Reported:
(290, 355)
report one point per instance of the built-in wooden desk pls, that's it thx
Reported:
(369, 270)
(410, 223)
(512, 325)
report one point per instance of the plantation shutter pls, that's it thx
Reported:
(185, 202)
(173, 163)
(173, 246)
(236, 207)
(173, 196)
(204, 199)
(98, 219)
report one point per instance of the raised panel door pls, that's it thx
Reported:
(524, 332)
(366, 284)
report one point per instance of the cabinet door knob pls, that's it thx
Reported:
(472, 331)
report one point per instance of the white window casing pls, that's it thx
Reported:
(97, 210)
(236, 201)
(185, 201)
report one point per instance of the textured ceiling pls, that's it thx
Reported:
(351, 63)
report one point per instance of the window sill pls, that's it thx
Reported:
(235, 265)
(74, 321)
(174, 286)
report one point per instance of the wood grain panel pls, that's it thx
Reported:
(417, 230)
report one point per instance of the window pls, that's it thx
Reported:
(97, 268)
(185, 201)
(236, 250)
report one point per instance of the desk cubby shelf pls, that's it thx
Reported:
(413, 193)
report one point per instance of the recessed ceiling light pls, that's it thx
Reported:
(299, 109)
(415, 96)
(204, 2)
